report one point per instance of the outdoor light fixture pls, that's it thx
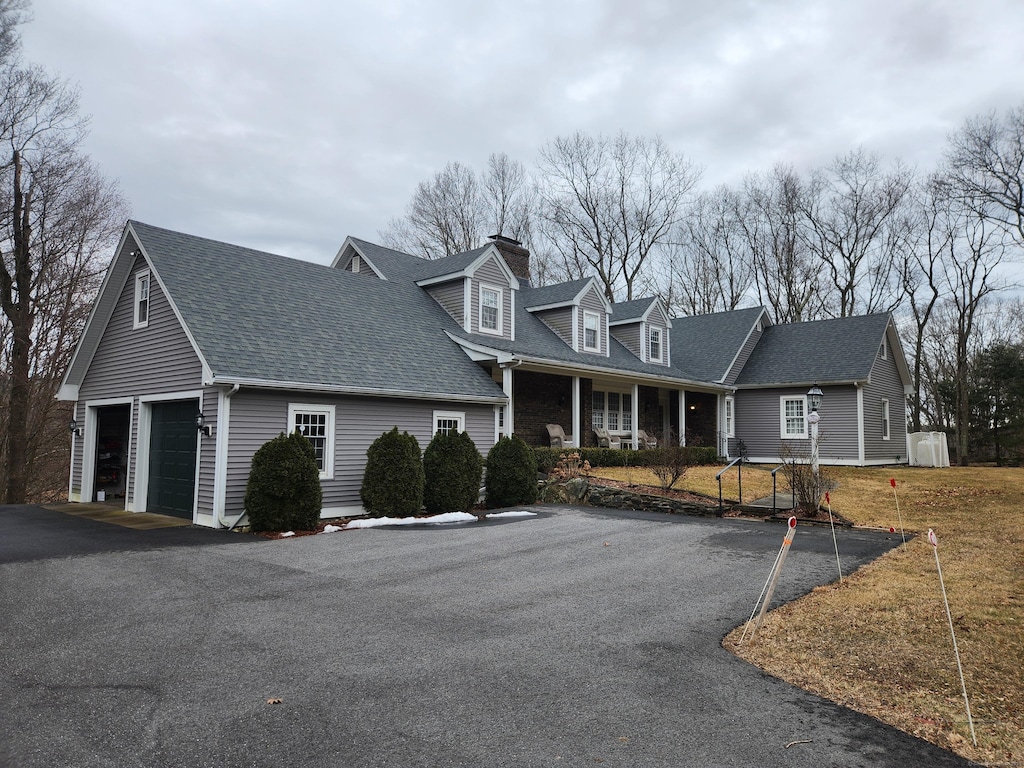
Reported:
(201, 424)
(814, 395)
(75, 429)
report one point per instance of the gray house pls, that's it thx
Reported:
(197, 352)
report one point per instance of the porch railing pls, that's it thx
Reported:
(738, 463)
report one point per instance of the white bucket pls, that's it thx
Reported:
(101, 495)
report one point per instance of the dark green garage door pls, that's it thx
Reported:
(172, 458)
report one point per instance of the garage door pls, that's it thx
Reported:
(172, 458)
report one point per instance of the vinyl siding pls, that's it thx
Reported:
(491, 273)
(130, 362)
(451, 296)
(758, 424)
(257, 417)
(745, 351)
(628, 336)
(591, 302)
(559, 321)
(885, 383)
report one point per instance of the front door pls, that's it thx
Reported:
(172, 458)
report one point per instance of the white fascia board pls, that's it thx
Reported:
(338, 389)
(808, 383)
(606, 374)
(745, 340)
(429, 281)
(493, 253)
(896, 350)
(592, 282)
(555, 305)
(482, 351)
(366, 260)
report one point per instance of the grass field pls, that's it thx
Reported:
(880, 642)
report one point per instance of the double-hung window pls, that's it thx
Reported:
(655, 345)
(612, 411)
(794, 416)
(885, 419)
(449, 422)
(490, 309)
(316, 423)
(142, 285)
(591, 331)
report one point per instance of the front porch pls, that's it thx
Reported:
(579, 404)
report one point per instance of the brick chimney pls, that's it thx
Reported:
(517, 257)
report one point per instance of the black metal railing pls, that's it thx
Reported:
(775, 506)
(738, 463)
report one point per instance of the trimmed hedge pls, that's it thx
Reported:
(393, 478)
(453, 467)
(511, 473)
(283, 491)
(547, 458)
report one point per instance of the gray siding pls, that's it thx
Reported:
(260, 416)
(743, 356)
(490, 273)
(559, 321)
(629, 336)
(885, 383)
(452, 297)
(130, 362)
(591, 302)
(758, 424)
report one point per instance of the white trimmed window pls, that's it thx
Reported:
(793, 413)
(730, 422)
(885, 419)
(883, 351)
(449, 422)
(490, 309)
(591, 331)
(355, 262)
(142, 285)
(612, 411)
(316, 423)
(655, 345)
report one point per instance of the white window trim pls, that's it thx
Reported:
(459, 416)
(730, 416)
(883, 353)
(783, 399)
(886, 427)
(597, 330)
(661, 344)
(499, 331)
(622, 411)
(140, 276)
(355, 263)
(294, 408)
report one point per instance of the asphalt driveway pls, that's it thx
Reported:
(579, 637)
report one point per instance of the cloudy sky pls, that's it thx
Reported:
(286, 126)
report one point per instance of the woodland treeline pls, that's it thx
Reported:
(940, 248)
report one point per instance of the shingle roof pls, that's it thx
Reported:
(706, 345)
(561, 293)
(258, 316)
(822, 351)
(631, 310)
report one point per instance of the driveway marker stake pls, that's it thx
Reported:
(892, 482)
(828, 503)
(933, 540)
(773, 578)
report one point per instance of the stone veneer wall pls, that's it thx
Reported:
(617, 498)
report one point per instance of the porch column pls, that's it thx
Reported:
(636, 416)
(682, 417)
(506, 386)
(577, 425)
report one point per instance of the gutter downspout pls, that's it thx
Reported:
(221, 472)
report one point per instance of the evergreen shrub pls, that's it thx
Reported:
(511, 473)
(393, 478)
(283, 491)
(452, 467)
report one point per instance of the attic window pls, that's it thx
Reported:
(592, 331)
(355, 263)
(490, 309)
(142, 279)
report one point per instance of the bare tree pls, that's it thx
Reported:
(57, 217)
(786, 272)
(855, 229)
(709, 267)
(986, 160)
(609, 204)
(457, 209)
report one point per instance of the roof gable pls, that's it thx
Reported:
(566, 294)
(706, 346)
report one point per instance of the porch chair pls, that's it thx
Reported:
(605, 440)
(558, 437)
(646, 441)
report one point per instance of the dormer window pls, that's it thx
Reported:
(591, 332)
(490, 309)
(655, 345)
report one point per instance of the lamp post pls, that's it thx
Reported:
(814, 395)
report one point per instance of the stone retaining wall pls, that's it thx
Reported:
(618, 498)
